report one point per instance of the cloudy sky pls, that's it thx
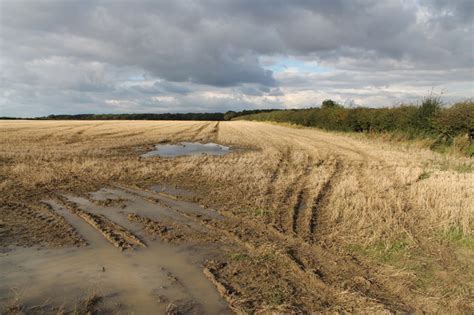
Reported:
(216, 55)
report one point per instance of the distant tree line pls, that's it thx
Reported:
(231, 114)
(148, 116)
(430, 119)
(165, 116)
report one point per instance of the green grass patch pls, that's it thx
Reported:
(469, 150)
(457, 237)
(260, 212)
(384, 251)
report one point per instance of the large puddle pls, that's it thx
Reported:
(187, 148)
(142, 281)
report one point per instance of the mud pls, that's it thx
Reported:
(157, 278)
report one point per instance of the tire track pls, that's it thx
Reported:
(215, 131)
(280, 169)
(116, 234)
(298, 208)
(187, 133)
(321, 201)
(290, 209)
(315, 277)
(307, 263)
(196, 136)
(302, 212)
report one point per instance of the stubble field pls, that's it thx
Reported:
(293, 220)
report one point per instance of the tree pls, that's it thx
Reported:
(229, 115)
(329, 104)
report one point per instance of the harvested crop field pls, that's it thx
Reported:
(291, 220)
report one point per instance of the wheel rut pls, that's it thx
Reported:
(297, 191)
(197, 135)
(116, 234)
(321, 201)
(215, 132)
(280, 170)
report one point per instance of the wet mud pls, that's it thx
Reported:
(126, 267)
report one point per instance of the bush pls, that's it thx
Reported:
(229, 115)
(423, 118)
(456, 120)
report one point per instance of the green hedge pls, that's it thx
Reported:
(430, 119)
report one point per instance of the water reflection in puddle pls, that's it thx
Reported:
(187, 148)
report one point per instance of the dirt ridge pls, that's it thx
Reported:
(116, 234)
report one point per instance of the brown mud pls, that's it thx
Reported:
(150, 278)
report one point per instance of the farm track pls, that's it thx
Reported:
(302, 198)
(229, 228)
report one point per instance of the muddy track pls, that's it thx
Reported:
(227, 292)
(321, 201)
(168, 232)
(298, 209)
(302, 201)
(317, 278)
(117, 235)
(288, 212)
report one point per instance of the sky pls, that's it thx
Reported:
(123, 56)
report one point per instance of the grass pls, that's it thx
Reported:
(260, 212)
(456, 236)
(384, 252)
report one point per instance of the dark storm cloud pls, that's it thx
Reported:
(89, 53)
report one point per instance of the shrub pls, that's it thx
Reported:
(456, 120)
(422, 120)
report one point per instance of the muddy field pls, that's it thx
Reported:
(289, 221)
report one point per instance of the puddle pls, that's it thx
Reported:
(141, 281)
(168, 189)
(187, 148)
